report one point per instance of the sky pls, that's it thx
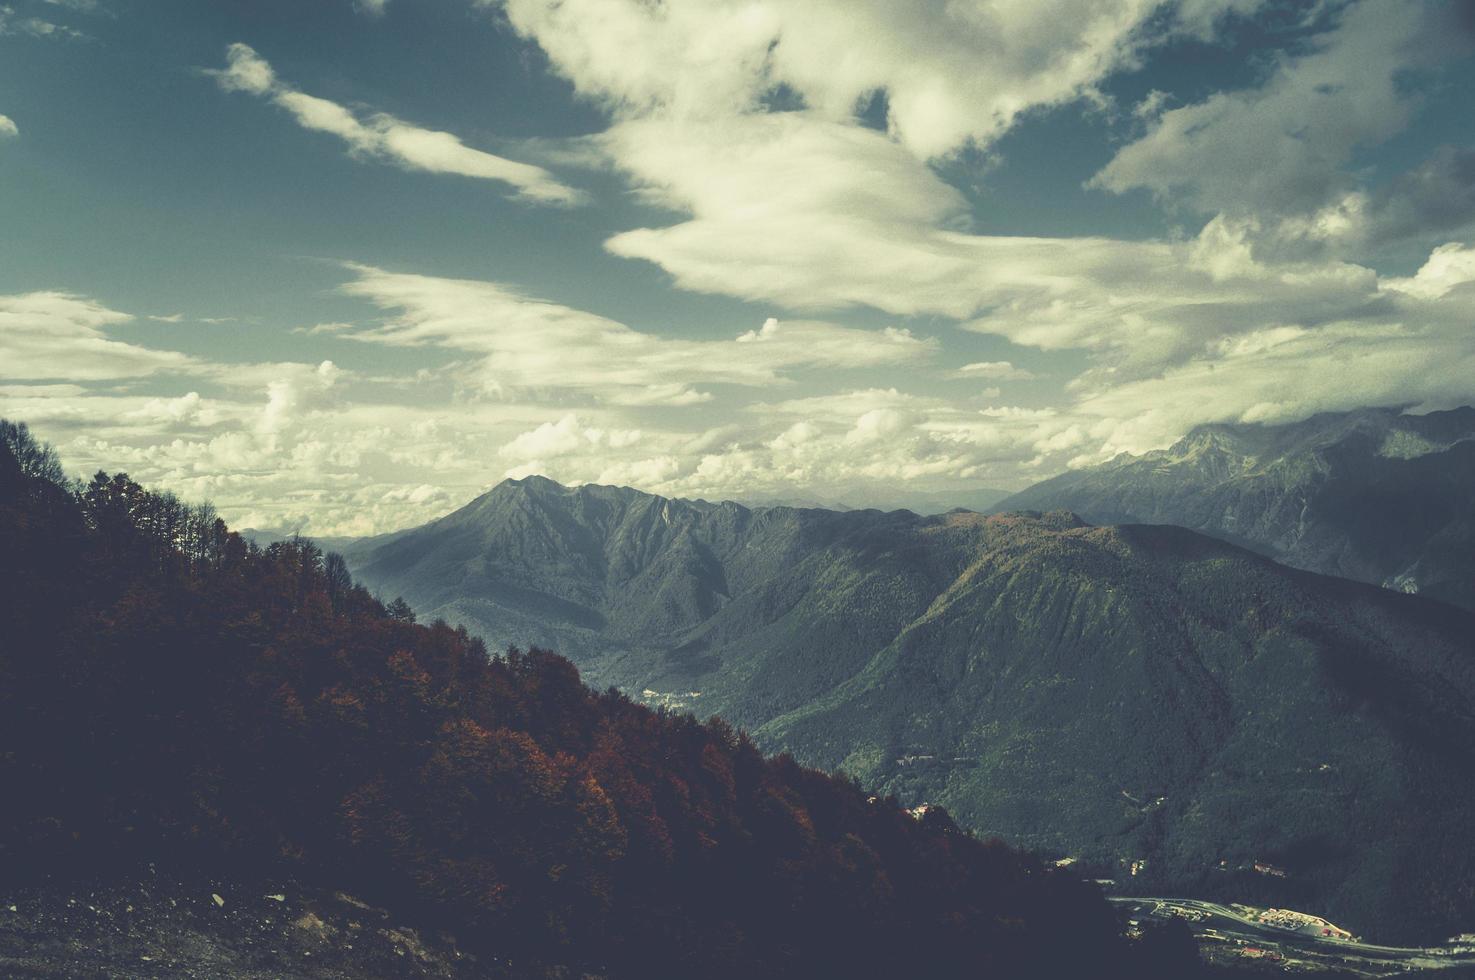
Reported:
(340, 266)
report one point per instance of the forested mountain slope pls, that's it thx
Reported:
(172, 696)
(1142, 693)
(1373, 495)
(1116, 694)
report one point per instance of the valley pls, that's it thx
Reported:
(1233, 935)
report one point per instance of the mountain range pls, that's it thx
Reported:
(1375, 495)
(1153, 702)
(894, 498)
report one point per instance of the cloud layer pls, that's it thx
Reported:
(526, 344)
(950, 72)
(383, 137)
(537, 387)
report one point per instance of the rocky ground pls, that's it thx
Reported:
(159, 928)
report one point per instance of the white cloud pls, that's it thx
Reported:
(865, 457)
(810, 211)
(37, 27)
(856, 445)
(259, 438)
(295, 392)
(952, 72)
(795, 209)
(528, 344)
(994, 371)
(1284, 145)
(314, 446)
(879, 424)
(382, 136)
(288, 454)
(567, 436)
(844, 407)
(1291, 375)
(768, 331)
(809, 214)
(373, 8)
(51, 335)
(8, 127)
(290, 442)
(189, 407)
(1450, 266)
(1418, 350)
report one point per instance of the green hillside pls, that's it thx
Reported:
(1142, 693)
(1111, 694)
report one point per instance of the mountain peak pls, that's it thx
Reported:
(1375, 494)
(1212, 438)
(534, 483)
(531, 481)
(544, 486)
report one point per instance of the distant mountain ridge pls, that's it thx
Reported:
(1374, 495)
(980, 499)
(1117, 694)
(917, 501)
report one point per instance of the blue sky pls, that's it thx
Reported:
(341, 265)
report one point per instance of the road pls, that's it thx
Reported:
(1225, 925)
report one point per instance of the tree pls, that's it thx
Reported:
(199, 534)
(37, 459)
(338, 580)
(400, 610)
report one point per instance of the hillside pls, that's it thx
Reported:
(1142, 693)
(1112, 694)
(1373, 495)
(176, 700)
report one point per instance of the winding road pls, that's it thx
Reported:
(1227, 925)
